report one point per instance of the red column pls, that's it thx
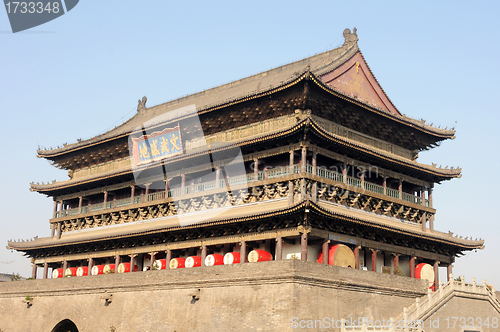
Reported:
(374, 260)
(203, 254)
(117, 262)
(356, 257)
(59, 225)
(132, 262)
(169, 257)
(90, 266)
(279, 248)
(412, 267)
(396, 260)
(429, 196)
(303, 246)
(325, 248)
(436, 275)
(132, 193)
(45, 270)
(243, 252)
(424, 222)
(449, 271)
(33, 271)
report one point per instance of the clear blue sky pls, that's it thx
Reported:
(83, 73)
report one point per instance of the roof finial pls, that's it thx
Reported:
(142, 104)
(350, 38)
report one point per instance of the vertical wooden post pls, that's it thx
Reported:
(132, 193)
(362, 178)
(431, 222)
(45, 270)
(243, 251)
(52, 230)
(203, 254)
(303, 246)
(385, 185)
(217, 178)
(292, 152)
(65, 266)
(278, 255)
(344, 172)
(356, 257)
(105, 199)
(412, 267)
(132, 262)
(429, 196)
(424, 222)
(33, 271)
(183, 184)
(59, 230)
(374, 260)
(400, 189)
(325, 249)
(290, 193)
(256, 169)
(147, 190)
(90, 266)
(117, 262)
(55, 209)
(449, 272)
(152, 254)
(168, 257)
(314, 163)
(303, 160)
(436, 275)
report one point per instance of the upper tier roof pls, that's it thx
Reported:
(343, 70)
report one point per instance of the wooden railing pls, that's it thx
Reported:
(271, 173)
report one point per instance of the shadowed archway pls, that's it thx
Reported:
(65, 326)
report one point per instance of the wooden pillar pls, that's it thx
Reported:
(412, 266)
(147, 190)
(429, 196)
(183, 184)
(90, 266)
(168, 257)
(52, 230)
(314, 163)
(396, 260)
(59, 230)
(117, 262)
(356, 257)
(203, 254)
(303, 246)
(45, 270)
(132, 193)
(385, 185)
(325, 250)
(217, 178)
(33, 271)
(400, 189)
(105, 199)
(303, 160)
(374, 260)
(422, 195)
(344, 172)
(424, 222)
(65, 266)
(449, 272)
(290, 193)
(132, 263)
(243, 251)
(436, 275)
(431, 222)
(152, 254)
(55, 209)
(292, 152)
(362, 178)
(278, 255)
(256, 169)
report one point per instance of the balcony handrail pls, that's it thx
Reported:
(265, 174)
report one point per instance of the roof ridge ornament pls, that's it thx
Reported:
(350, 38)
(142, 104)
